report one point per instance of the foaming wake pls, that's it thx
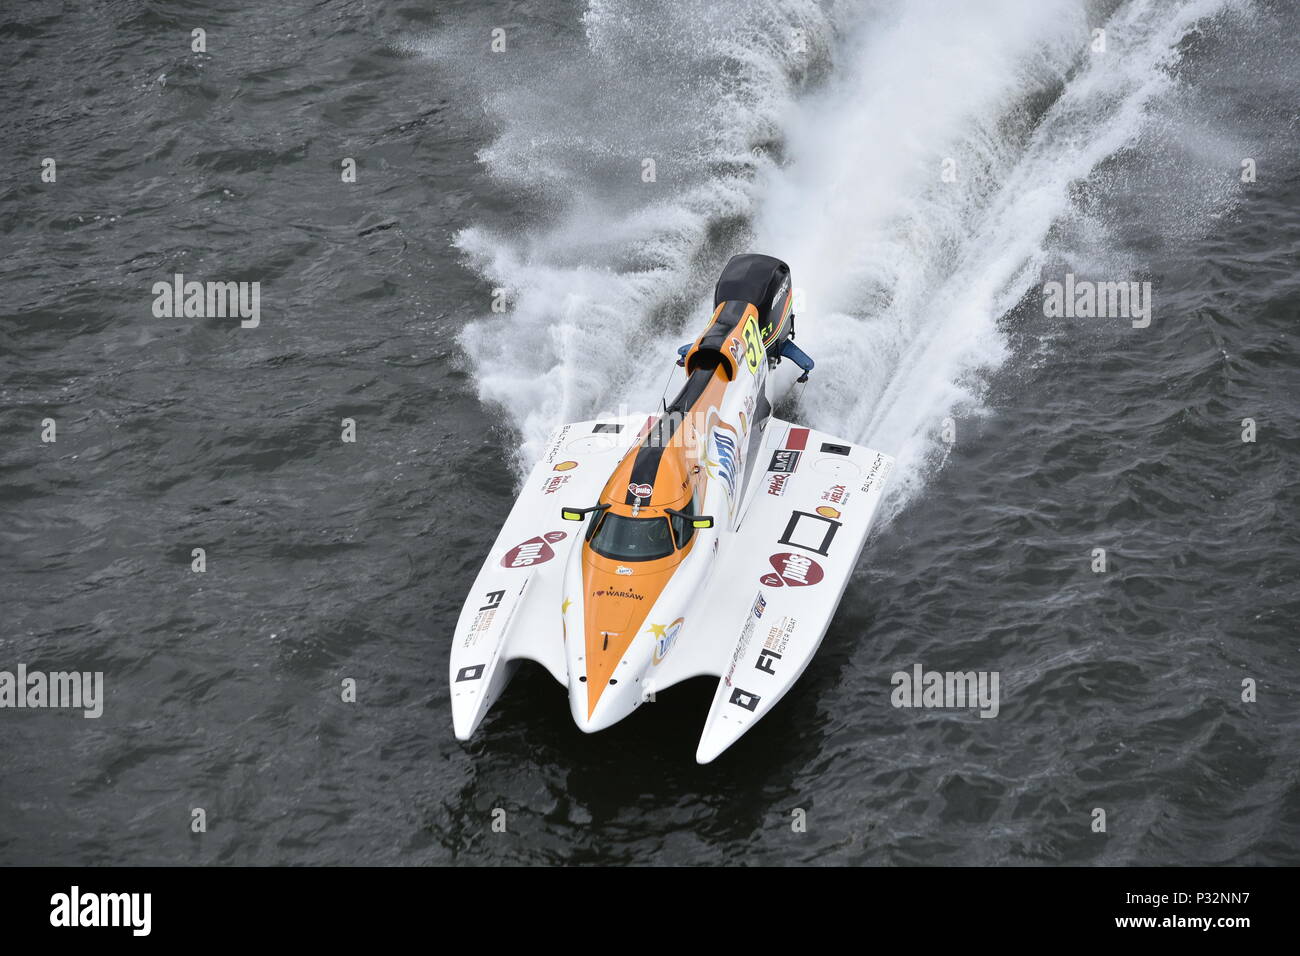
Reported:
(907, 276)
(818, 134)
(614, 259)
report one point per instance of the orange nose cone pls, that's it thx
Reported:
(601, 666)
(616, 607)
(611, 625)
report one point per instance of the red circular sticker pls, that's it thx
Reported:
(795, 570)
(533, 551)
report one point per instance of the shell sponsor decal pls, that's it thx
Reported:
(554, 484)
(836, 495)
(794, 570)
(566, 466)
(826, 511)
(533, 551)
(665, 636)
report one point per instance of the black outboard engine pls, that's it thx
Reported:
(764, 282)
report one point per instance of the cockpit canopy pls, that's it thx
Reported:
(623, 538)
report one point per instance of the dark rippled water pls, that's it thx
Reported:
(329, 560)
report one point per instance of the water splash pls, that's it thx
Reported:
(817, 133)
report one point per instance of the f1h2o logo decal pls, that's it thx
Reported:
(494, 600)
(766, 659)
(753, 344)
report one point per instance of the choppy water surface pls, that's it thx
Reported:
(813, 131)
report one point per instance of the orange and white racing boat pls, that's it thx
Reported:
(710, 539)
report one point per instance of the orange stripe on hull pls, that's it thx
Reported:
(617, 606)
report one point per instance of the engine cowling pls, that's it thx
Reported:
(764, 282)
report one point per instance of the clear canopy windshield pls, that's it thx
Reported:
(632, 539)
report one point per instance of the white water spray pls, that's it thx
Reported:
(904, 275)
